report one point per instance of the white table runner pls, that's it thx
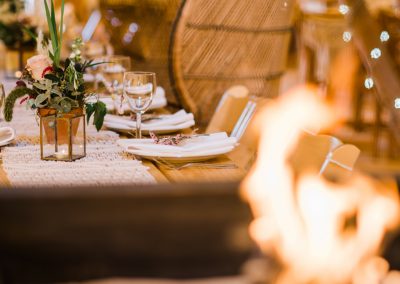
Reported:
(103, 165)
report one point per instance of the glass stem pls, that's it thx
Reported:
(96, 82)
(138, 125)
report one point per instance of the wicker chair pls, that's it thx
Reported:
(216, 44)
(141, 29)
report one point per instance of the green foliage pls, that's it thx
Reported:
(62, 86)
(99, 110)
(12, 97)
(55, 35)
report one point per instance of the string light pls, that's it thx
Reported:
(344, 9)
(376, 53)
(384, 36)
(369, 83)
(397, 103)
(347, 36)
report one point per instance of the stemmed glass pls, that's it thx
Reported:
(139, 88)
(94, 51)
(113, 70)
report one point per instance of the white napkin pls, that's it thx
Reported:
(178, 120)
(198, 145)
(7, 134)
(159, 101)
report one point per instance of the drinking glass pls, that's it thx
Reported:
(94, 51)
(113, 70)
(139, 88)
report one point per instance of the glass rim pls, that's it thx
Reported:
(139, 73)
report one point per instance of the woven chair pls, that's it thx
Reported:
(216, 44)
(141, 29)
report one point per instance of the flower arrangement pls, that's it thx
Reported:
(49, 82)
(15, 26)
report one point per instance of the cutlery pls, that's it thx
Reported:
(179, 166)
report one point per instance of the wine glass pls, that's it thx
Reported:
(139, 88)
(94, 51)
(113, 70)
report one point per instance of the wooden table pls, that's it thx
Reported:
(164, 174)
(196, 174)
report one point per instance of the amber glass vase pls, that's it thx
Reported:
(62, 135)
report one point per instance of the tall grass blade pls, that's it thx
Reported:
(53, 37)
(61, 23)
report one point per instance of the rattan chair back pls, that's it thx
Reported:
(216, 44)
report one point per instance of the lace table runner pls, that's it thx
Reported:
(103, 165)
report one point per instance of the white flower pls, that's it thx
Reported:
(37, 64)
(43, 48)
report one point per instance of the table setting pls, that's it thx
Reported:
(57, 131)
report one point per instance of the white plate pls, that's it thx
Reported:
(198, 148)
(9, 138)
(174, 158)
(5, 143)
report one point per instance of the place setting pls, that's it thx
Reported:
(138, 92)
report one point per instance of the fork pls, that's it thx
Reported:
(171, 166)
(205, 165)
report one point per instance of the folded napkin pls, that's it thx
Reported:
(197, 145)
(159, 101)
(7, 134)
(178, 120)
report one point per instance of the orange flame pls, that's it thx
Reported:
(321, 231)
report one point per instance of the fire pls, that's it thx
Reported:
(321, 231)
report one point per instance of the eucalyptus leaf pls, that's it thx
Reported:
(66, 106)
(52, 77)
(57, 107)
(40, 86)
(56, 91)
(40, 99)
(56, 100)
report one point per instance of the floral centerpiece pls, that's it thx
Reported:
(54, 87)
(49, 83)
